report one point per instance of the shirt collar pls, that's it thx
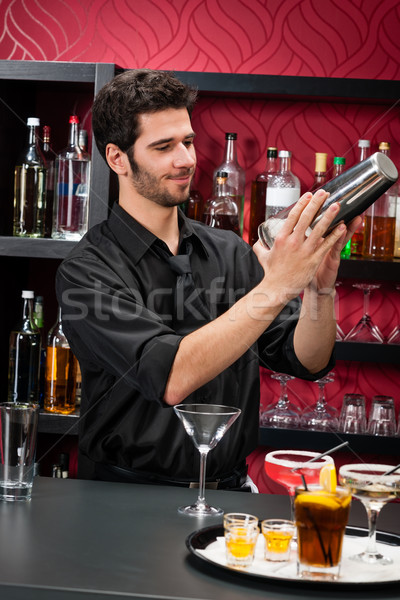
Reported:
(137, 240)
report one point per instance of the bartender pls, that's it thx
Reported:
(160, 309)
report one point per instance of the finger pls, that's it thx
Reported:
(333, 238)
(311, 211)
(320, 229)
(295, 214)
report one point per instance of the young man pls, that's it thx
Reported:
(161, 310)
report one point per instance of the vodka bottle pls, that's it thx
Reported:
(236, 181)
(358, 237)
(70, 220)
(221, 210)
(283, 188)
(259, 194)
(60, 388)
(50, 159)
(30, 187)
(320, 171)
(24, 356)
(380, 221)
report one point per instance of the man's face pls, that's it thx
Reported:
(163, 158)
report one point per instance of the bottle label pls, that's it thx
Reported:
(282, 197)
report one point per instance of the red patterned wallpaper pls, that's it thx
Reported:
(350, 38)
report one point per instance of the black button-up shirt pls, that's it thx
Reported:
(117, 293)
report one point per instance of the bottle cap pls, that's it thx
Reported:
(27, 294)
(284, 154)
(384, 146)
(74, 119)
(364, 143)
(231, 136)
(33, 122)
(272, 152)
(46, 131)
(339, 160)
(320, 161)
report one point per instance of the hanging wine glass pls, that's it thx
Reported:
(365, 330)
(394, 336)
(283, 413)
(321, 416)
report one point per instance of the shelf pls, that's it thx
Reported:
(58, 424)
(321, 441)
(356, 351)
(36, 248)
(370, 270)
(36, 70)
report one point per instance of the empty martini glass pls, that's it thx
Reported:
(365, 330)
(206, 424)
(368, 483)
(283, 414)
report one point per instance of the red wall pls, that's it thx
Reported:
(350, 38)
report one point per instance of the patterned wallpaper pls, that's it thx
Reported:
(331, 38)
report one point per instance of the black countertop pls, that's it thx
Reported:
(83, 540)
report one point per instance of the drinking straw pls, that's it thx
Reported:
(321, 456)
(392, 470)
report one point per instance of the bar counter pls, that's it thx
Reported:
(83, 540)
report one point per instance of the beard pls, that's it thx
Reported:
(148, 186)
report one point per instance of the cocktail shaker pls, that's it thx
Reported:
(355, 190)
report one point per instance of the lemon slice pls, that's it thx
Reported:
(327, 478)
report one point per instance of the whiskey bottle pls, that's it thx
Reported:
(259, 194)
(221, 210)
(236, 179)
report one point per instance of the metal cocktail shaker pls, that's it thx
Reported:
(355, 190)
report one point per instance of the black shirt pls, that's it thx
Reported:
(117, 293)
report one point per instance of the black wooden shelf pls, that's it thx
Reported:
(378, 353)
(59, 424)
(50, 71)
(298, 439)
(34, 247)
(370, 270)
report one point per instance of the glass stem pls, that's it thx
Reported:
(366, 302)
(372, 519)
(202, 482)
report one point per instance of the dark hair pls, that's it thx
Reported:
(129, 94)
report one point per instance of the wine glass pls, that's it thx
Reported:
(206, 424)
(394, 336)
(365, 330)
(287, 466)
(368, 483)
(282, 413)
(321, 416)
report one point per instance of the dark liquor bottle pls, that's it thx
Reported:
(320, 171)
(358, 237)
(24, 356)
(221, 210)
(60, 388)
(195, 205)
(70, 220)
(259, 194)
(380, 222)
(30, 187)
(236, 179)
(38, 317)
(50, 159)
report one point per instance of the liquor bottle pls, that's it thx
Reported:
(358, 237)
(236, 182)
(338, 168)
(259, 194)
(283, 188)
(320, 171)
(194, 205)
(60, 388)
(380, 221)
(38, 317)
(50, 159)
(30, 187)
(83, 140)
(70, 220)
(221, 210)
(24, 356)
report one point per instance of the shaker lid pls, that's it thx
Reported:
(386, 165)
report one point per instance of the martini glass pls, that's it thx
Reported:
(321, 416)
(287, 466)
(368, 483)
(206, 424)
(365, 330)
(283, 414)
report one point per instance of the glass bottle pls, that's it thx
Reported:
(49, 157)
(283, 188)
(236, 182)
(221, 210)
(83, 140)
(24, 356)
(30, 187)
(380, 221)
(194, 205)
(259, 194)
(358, 237)
(60, 388)
(338, 168)
(38, 317)
(320, 171)
(70, 219)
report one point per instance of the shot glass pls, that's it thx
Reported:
(382, 418)
(18, 433)
(321, 519)
(278, 533)
(240, 544)
(352, 415)
(241, 519)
